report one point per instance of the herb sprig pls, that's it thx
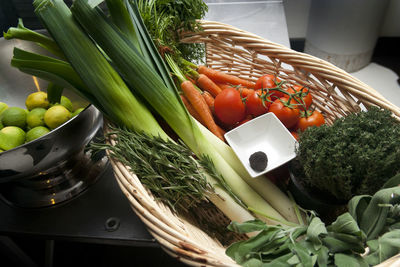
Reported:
(372, 222)
(354, 156)
(165, 19)
(168, 169)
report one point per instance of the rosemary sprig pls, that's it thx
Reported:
(168, 169)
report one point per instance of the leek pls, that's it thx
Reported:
(23, 33)
(149, 78)
(94, 70)
(262, 185)
(99, 80)
(143, 79)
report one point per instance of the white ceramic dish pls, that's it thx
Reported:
(267, 134)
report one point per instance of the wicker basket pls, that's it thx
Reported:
(335, 93)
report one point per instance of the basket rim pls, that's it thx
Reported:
(167, 234)
(312, 64)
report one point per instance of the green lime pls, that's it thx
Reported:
(3, 106)
(37, 100)
(35, 133)
(55, 116)
(14, 116)
(66, 103)
(11, 137)
(35, 117)
(77, 111)
(1, 125)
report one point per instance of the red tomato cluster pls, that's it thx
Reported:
(292, 105)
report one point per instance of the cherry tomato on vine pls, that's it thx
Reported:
(313, 118)
(303, 93)
(229, 107)
(246, 119)
(257, 103)
(287, 113)
(269, 81)
(295, 135)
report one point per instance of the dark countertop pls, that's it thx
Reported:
(75, 232)
(82, 218)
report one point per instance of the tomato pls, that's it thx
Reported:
(314, 118)
(257, 103)
(295, 135)
(268, 81)
(248, 118)
(304, 94)
(288, 114)
(229, 107)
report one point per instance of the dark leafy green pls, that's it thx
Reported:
(372, 221)
(354, 156)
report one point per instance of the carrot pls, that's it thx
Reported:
(208, 85)
(191, 110)
(221, 77)
(245, 91)
(223, 85)
(190, 79)
(200, 105)
(222, 131)
(209, 100)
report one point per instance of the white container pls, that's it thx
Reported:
(265, 133)
(344, 32)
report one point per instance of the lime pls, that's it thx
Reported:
(3, 106)
(1, 125)
(35, 117)
(37, 100)
(14, 116)
(66, 103)
(11, 137)
(77, 111)
(55, 116)
(35, 133)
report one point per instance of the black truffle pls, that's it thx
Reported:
(258, 161)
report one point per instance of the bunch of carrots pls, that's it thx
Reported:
(221, 101)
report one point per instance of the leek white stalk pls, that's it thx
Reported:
(262, 185)
(143, 80)
(100, 80)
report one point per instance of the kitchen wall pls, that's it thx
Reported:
(297, 12)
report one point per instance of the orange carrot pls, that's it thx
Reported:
(219, 76)
(208, 85)
(200, 105)
(209, 100)
(191, 110)
(190, 79)
(222, 131)
(195, 115)
(223, 85)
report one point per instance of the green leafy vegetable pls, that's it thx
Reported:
(167, 168)
(354, 156)
(339, 244)
(165, 19)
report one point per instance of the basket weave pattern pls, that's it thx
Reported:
(335, 93)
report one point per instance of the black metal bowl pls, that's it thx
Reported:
(56, 166)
